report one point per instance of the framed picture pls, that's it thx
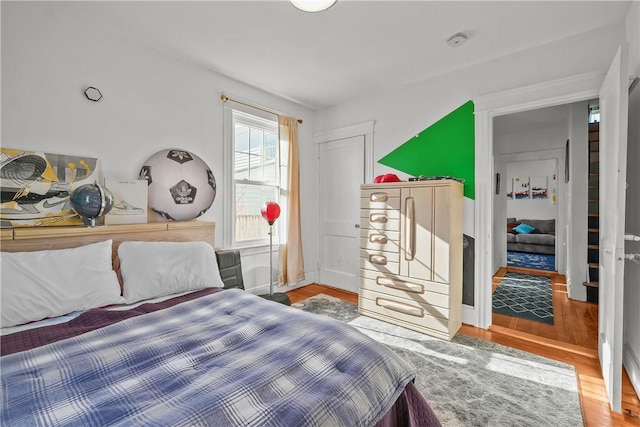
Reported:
(521, 188)
(129, 201)
(539, 187)
(37, 186)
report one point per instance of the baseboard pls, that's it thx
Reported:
(309, 278)
(632, 365)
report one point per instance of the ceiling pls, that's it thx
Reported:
(352, 49)
(532, 120)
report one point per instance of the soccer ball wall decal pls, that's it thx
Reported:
(181, 185)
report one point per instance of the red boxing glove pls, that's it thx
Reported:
(390, 177)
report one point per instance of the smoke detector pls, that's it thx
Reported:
(457, 39)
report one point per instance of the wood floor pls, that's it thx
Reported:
(574, 322)
(573, 340)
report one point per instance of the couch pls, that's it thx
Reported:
(542, 240)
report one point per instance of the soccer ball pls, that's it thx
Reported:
(181, 185)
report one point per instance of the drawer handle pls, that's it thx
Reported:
(378, 238)
(400, 308)
(410, 229)
(378, 259)
(378, 197)
(379, 218)
(400, 284)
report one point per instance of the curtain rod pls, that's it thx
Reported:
(225, 98)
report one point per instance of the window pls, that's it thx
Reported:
(254, 157)
(594, 113)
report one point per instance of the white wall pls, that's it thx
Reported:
(150, 102)
(533, 208)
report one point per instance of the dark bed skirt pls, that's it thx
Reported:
(410, 410)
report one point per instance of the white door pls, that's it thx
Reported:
(341, 174)
(613, 152)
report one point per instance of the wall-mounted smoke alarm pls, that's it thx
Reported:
(457, 39)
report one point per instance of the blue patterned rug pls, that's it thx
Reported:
(526, 260)
(526, 296)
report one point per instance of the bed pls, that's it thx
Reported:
(167, 344)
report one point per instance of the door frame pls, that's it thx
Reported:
(568, 90)
(365, 129)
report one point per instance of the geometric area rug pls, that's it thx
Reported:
(469, 381)
(526, 296)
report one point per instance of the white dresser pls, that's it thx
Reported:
(411, 255)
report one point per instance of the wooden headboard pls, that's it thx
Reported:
(42, 238)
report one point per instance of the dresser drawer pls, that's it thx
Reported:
(403, 313)
(380, 199)
(380, 240)
(380, 219)
(409, 289)
(386, 262)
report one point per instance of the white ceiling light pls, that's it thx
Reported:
(313, 5)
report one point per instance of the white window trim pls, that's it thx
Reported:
(229, 182)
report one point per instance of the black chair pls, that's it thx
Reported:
(230, 267)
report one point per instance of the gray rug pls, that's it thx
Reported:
(470, 382)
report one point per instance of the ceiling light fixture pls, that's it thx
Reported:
(313, 5)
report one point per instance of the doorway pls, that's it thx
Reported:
(573, 89)
(529, 153)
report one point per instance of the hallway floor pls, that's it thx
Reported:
(575, 322)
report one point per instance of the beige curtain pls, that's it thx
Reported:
(291, 262)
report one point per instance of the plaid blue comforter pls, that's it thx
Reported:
(229, 358)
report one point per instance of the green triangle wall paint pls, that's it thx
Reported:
(444, 148)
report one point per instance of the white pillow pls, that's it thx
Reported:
(41, 284)
(154, 269)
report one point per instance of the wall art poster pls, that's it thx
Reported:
(539, 187)
(36, 187)
(130, 201)
(521, 188)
